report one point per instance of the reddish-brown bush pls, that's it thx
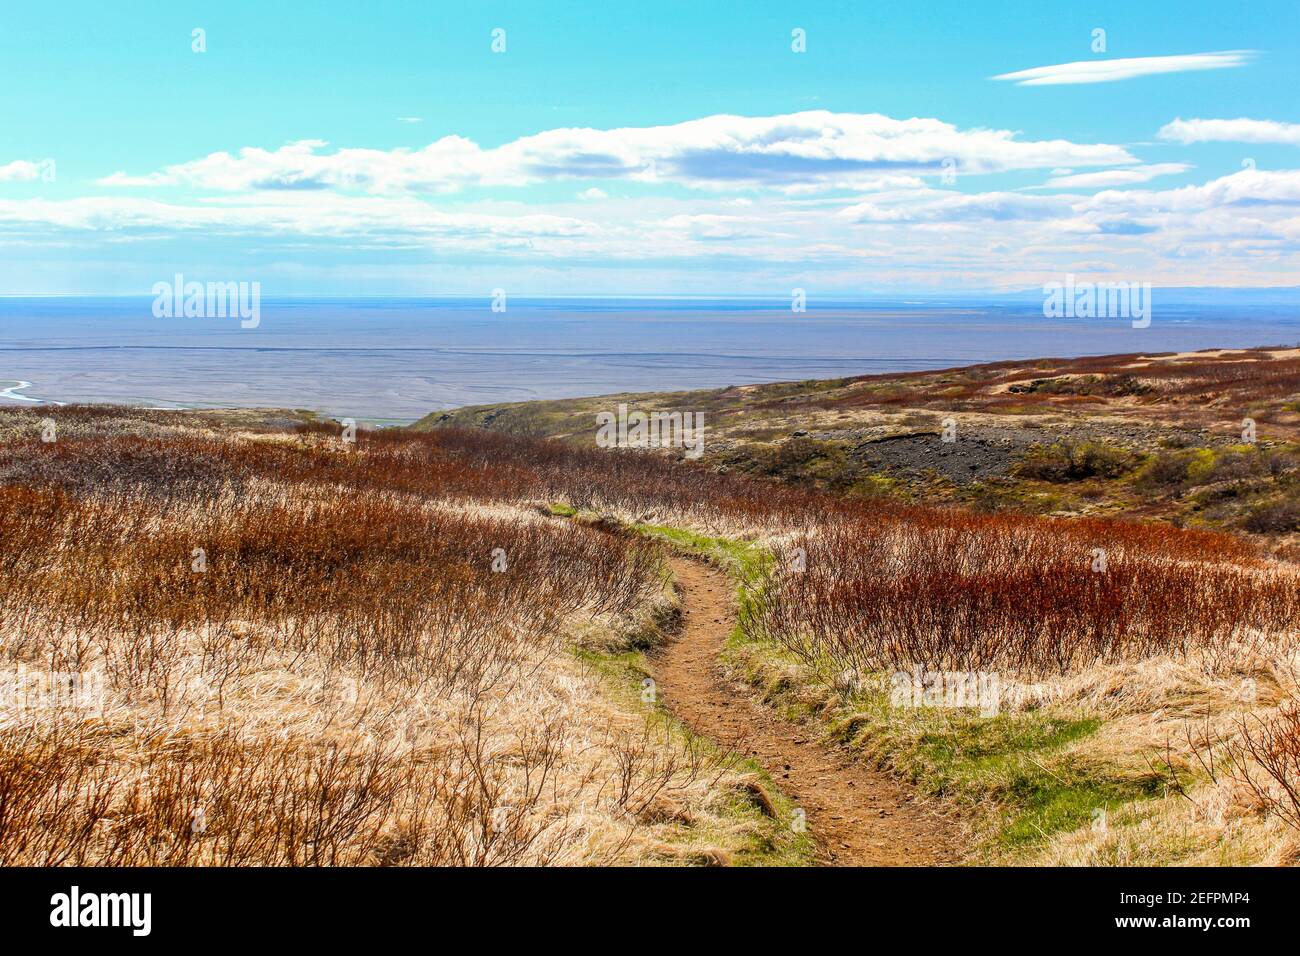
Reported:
(909, 587)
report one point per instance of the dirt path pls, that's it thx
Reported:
(858, 817)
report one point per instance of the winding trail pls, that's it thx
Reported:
(856, 816)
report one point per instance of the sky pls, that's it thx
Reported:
(676, 148)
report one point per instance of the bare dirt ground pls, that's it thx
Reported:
(856, 816)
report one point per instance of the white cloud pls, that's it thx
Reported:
(1108, 71)
(1232, 131)
(934, 206)
(1112, 177)
(1243, 192)
(410, 119)
(20, 170)
(1238, 229)
(382, 219)
(1248, 195)
(798, 152)
(593, 193)
(149, 179)
(710, 227)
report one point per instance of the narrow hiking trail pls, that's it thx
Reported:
(856, 816)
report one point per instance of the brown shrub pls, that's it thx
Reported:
(901, 588)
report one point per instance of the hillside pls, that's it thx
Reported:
(1149, 435)
(260, 638)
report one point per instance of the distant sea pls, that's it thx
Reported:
(394, 360)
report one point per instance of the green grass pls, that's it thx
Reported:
(768, 842)
(1020, 775)
(775, 843)
(1018, 771)
(1021, 761)
(747, 562)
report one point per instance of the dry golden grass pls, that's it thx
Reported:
(1196, 720)
(319, 654)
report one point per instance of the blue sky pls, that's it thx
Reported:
(666, 148)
